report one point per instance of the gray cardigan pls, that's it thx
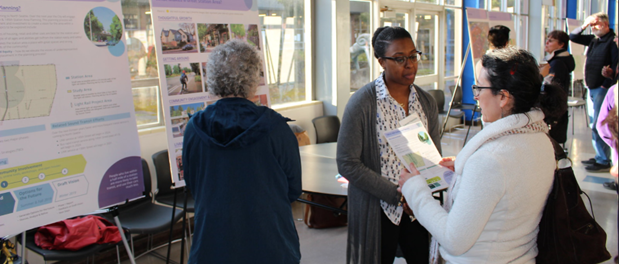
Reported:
(358, 161)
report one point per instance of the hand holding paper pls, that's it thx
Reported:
(406, 174)
(416, 151)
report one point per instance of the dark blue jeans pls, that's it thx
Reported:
(595, 100)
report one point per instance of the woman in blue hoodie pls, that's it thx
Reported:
(242, 166)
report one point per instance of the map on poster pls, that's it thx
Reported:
(68, 137)
(577, 50)
(480, 21)
(186, 33)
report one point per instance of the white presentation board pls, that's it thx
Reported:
(186, 32)
(479, 22)
(577, 50)
(68, 138)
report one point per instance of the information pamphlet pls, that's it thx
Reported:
(412, 144)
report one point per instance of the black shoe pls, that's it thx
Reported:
(590, 161)
(596, 167)
(611, 185)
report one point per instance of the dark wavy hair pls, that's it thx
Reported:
(560, 36)
(516, 71)
(383, 36)
(498, 36)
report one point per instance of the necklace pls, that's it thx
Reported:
(402, 105)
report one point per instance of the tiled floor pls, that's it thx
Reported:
(319, 246)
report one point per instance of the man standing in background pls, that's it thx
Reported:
(601, 52)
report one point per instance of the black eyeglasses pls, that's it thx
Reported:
(477, 89)
(400, 60)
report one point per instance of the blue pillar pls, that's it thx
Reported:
(572, 9)
(468, 75)
(612, 13)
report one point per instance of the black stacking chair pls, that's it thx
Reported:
(439, 97)
(165, 193)
(142, 216)
(458, 104)
(327, 128)
(64, 255)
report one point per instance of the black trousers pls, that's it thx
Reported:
(412, 237)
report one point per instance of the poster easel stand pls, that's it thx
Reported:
(185, 194)
(167, 261)
(453, 93)
(114, 211)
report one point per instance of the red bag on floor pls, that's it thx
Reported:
(74, 234)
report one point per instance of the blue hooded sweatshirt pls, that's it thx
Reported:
(242, 166)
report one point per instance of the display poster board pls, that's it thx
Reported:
(68, 138)
(479, 22)
(577, 50)
(186, 32)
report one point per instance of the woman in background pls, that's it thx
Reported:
(503, 174)
(242, 166)
(561, 64)
(378, 221)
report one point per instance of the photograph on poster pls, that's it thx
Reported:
(479, 35)
(253, 35)
(103, 27)
(260, 100)
(178, 38)
(212, 35)
(145, 100)
(183, 78)
(179, 116)
(179, 163)
(204, 76)
(237, 31)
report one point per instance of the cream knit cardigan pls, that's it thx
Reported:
(500, 192)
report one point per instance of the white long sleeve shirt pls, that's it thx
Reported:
(498, 198)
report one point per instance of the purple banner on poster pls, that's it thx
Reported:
(239, 5)
(499, 16)
(473, 13)
(80, 0)
(122, 181)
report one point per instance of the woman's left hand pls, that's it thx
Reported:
(405, 175)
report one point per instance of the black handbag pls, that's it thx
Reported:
(567, 232)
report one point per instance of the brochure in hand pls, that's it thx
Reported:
(412, 144)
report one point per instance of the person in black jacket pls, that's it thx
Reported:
(601, 52)
(560, 64)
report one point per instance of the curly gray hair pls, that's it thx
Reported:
(233, 69)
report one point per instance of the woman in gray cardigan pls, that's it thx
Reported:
(379, 219)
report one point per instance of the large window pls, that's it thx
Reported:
(453, 39)
(142, 63)
(426, 24)
(360, 44)
(283, 36)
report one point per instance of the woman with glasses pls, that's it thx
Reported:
(379, 219)
(503, 174)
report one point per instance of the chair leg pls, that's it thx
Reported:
(471, 124)
(573, 112)
(117, 254)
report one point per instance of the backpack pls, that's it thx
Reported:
(567, 232)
